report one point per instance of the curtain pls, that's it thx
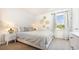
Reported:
(68, 24)
(53, 23)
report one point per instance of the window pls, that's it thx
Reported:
(59, 22)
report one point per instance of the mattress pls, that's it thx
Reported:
(41, 39)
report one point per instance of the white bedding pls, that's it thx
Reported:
(41, 39)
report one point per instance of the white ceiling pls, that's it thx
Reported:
(38, 11)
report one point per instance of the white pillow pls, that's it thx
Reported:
(24, 29)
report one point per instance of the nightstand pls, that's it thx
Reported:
(9, 37)
(2, 38)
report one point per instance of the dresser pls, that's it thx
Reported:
(74, 40)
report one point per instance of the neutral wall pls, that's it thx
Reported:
(75, 19)
(18, 17)
(49, 17)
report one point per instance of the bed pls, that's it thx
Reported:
(38, 39)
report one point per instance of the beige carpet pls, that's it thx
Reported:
(60, 44)
(17, 46)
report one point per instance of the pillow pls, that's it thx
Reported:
(28, 29)
(24, 29)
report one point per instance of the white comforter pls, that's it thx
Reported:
(40, 38)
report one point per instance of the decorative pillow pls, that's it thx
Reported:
(28, 29)
(24, 29)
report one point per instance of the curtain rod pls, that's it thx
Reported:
(60, 12)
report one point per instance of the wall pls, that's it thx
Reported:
(49, 17)
(0, 20)
(18, 17)
(75, 22)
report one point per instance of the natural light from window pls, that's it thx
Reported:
(60, 22)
